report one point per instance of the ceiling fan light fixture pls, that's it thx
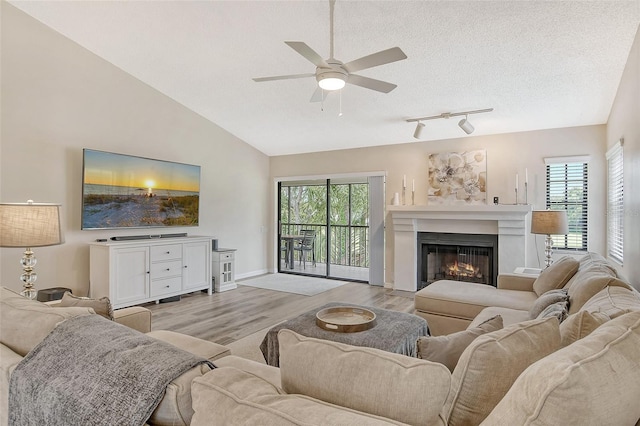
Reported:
(466, 126)
(331, 81)
(418, 130)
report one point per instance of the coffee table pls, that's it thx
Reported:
(394, 332)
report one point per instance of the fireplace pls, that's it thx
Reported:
(459, 257)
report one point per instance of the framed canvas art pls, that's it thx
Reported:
(458, 178)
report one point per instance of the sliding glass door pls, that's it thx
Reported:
(324, 228)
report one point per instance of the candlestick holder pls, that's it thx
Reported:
(404, 200)
(516, 196)
(413, 198)
(526, 193)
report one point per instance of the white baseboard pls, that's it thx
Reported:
(251, 274)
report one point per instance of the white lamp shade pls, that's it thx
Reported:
(549, 222)
(30, 225)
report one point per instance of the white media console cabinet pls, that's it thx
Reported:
(131, 272)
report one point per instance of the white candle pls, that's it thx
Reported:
(516, 181)
(404, 181)
(526, 176)
(413, 185)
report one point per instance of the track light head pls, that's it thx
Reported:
(418, 130)
(466, 126)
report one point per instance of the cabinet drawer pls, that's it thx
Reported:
(226, 256)
(166, 269)
(166, 286)
(166, 252)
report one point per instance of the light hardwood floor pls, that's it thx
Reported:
(226, 317)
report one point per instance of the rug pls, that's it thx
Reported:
(307, 286)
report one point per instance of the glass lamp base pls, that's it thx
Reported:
(29, 293)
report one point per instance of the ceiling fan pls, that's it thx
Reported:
(332, 74)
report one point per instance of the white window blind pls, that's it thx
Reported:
(615, 202)
(567, 184)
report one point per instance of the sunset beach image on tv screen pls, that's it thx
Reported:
(124, 191)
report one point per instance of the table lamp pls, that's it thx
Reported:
(549, 222)
(29, 225)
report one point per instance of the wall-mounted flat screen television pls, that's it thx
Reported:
(124, 191)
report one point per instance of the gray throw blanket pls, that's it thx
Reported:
(92, 371)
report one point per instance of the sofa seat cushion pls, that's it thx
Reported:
(386, 384)
(613, 301)
(492, 362)
(597, 377)
(466, 300)
(509, 316)
(24, 323)
(176, 405)
(228, 396)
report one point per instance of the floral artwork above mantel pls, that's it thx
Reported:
(458, 178)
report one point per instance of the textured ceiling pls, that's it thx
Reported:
(539, 64)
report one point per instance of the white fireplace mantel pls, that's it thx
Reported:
(509, 222)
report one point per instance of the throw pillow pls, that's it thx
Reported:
(414, 390)
(492, 362)
(592, 382)
(557, 310)
(580, 325)
(101, 306)
(556, 275)
(548, 298)
(447, 349)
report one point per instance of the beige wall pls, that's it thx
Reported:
(58, 98)
(507, 155)
(624, 122)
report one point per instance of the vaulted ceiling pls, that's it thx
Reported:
(539, 64)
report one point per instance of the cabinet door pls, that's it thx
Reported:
(131, 274)
(196, 258)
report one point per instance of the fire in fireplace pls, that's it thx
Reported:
(460, 257)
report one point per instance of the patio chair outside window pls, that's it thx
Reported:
(307, 245)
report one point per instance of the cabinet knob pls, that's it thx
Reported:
(148, 272)
(167, 286)
(185, 266)
(168, 252)
(168, 269)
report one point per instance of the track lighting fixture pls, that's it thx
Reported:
(464, 123)
(466, 126)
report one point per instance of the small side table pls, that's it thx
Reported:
(223, 268)
(49, 294)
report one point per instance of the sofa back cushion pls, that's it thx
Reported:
(409, 390)
(24, 323)
(594, 381)
(492, 362)
(556, 275)
(613, 301)
(580, 325)
(589, 284)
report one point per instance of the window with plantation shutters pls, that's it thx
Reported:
(615, 203)
(567, 184)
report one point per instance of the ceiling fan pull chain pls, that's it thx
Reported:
(322, 101)
(340, 112)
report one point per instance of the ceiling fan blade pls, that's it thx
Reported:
(308, 53)
(375, 59)
(319, 95)
(284, 77)
(370, 83)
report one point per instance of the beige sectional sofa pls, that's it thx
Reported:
(583, 371)
(450, 306)
(24, 323)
